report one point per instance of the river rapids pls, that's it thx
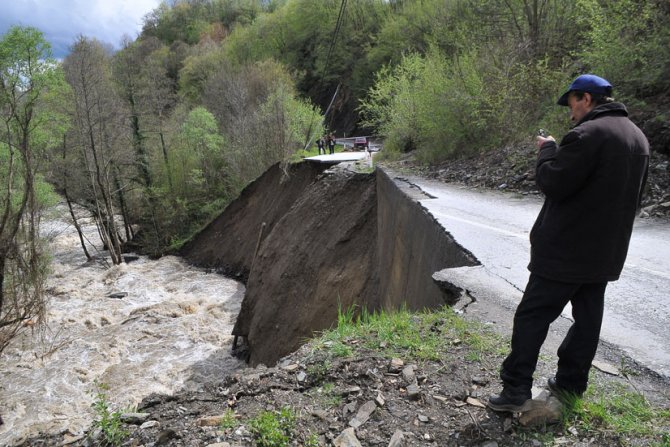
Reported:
(168, 331)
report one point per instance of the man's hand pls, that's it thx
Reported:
(539, 141)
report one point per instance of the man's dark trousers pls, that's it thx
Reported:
(542, 302)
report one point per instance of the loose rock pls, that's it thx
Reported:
(408, 375)
(397, 440)
(396, 365)
(544, 412)
(347, 439)
(134, 418)
(414, 392)
(363, 414)
(149, 424)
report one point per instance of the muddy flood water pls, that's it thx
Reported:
(169, 330)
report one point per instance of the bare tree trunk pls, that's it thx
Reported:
(3, 258)
(75, 222)
(99, 122)
(124, 208)
(165, 158)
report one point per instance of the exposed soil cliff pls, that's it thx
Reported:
(325, 241)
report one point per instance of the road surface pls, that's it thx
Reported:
(495, 226)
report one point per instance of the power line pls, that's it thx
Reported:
(333, 40)
(338, 26)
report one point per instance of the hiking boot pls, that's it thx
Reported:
(558, 390)
(510, 402)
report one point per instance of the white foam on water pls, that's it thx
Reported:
(171, 332)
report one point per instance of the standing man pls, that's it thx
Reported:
(331, 143)
(320, 144)
(592, 182)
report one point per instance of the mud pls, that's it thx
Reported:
(328, 241)
(228, 244)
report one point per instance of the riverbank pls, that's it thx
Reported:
(401, 379)
(145, 326)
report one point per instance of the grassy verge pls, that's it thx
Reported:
(411, 336)
(617, 409)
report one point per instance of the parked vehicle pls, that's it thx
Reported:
(361, 143)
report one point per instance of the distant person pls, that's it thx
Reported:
(593, 182)
(321, 145)
(331, 143)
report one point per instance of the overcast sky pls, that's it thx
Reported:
(62, 21)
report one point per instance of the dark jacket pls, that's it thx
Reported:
(593, 183)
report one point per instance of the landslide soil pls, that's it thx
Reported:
(326, 391)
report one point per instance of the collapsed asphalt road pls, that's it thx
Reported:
(321, 240)
(495, 226)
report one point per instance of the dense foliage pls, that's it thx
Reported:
(444, 77)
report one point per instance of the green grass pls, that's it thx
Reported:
(421, 336)
(318, 371)
(273, 428)
(108, 421)
(312, 441)
(229, 421)
(327, 395)
(616, 408)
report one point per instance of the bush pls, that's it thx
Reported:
(447, 108)
(273, 428)
(629, 44)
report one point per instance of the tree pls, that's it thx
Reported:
(261, 117)
(200, 134)
(158, 97)
(100, 135)
(127, 68)
(26, 73)
(628, 44)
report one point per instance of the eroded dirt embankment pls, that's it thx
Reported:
(324, 240)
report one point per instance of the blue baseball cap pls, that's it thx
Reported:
(587, 83)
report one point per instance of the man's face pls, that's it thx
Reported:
(579, 107)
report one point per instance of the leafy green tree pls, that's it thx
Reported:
(628, 43)
(127, 71)
(201, 137)
(205, 60)
(189, 20)
(260, 115)
(27, 72)
(285, 125)
(449, 107)
(323, 53)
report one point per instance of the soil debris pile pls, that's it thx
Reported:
(319, 258)
(342, 240)
(371, 387)
(228, 243)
